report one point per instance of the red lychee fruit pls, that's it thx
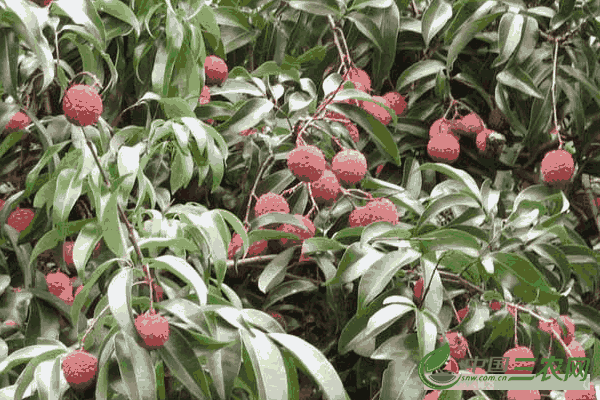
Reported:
(377, 110)
(440, 126)
(481, 140)
(380, 209)
(356, 217)
(433, 395)
(548, 327)
(215, 70)
(20, 218)
(153, 329)
(349, 165)
(255, 249)
(569, 333)
(495, 305)
(327, 188)
(67, 297)
(478, 371)
(470, 123)
(248, 132)
(47, 2)
(82, 105)
(458, 345)
(18, 122)
(159, 292)
(2, 202)
(519, 352)
(581, 394)
(68, 252)
(395, 101)
(58, 282)
(576, 349)
(271, 202)
(352, 131)
(523, 395)
(461, 314)
(301, 233)
(204, 95)
(80, 369)
(557, 167)
(452, 365)
(307, 163)
(443, 148)
(418, 290)
(10, 322)
(359, 76)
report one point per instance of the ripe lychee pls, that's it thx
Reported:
(440, 126)
(204, 95)
(67, 297)
(458, 345)
(153, 329)
(159, 292)
(215, 70)
(18, 122)
(359, 76)
(557, 167)
(519, 352)
(68, 252)
(481, 140)
(576, 349)
(452, 365)
(581, 394)
(377, 110)
(349, 165)
(255, 249)
(327, 188)
(307, 163)
(376, 210)
(548, 327)
(470, 123)
(82, 105)
(10, 322)
(418, 290)
(58, 282)
(80, 369)
(433, 395)
(356, 217)
(248, 132)
(352, 130)
(395, 101)
(462, 313)
(20, 218)
(523, 395)
(495, 305)
(301, 233)
(443, 148)
(271, 202)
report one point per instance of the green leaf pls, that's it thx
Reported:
(137, 370)
(531, 34)
(113, 230)
(23, 355)
(321, 7)
(355, 262)
(119, 300)
(68, 190)
(84, 13)
(287, 289)
(591, 88)
(451, 239)
(360, 4)
(458, 175)
(435, 17)
(418, 70)
(119, 10)
(315, 364)
(9, 52)
(274, 272)
(510, 30)
(442, 203)
(48, 380)
(517, 78)
(247, 116)
(426, 332)
(470, 81)
(368, 28)
(185, 271)
(590, 315)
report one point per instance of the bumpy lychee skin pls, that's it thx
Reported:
(381, 209)
(523, 395)
(496, 305)
(581, 394)
(377, 110)
(458, 345)
(301, 233)
(481, 140)
(18, 122)
(68, 252)
(153, 329)
(395, 101)
(204, 96)
(519, 352)
(255, 249)
(440, 126)
(327, 188)
(215, 70)
(271, 202)
(82, 105)
(462, 313)
(576, 349)
(307, 163)
(58, 283)
(349, 165)
(67, 297)
(356, 217)
(359, 76)
(470, 123)
(557, 167)
(549, 327)
(20, 218)
(443, 148)
(452, 365)
(80, 369)
(418, 290)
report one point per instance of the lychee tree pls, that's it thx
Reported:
(216, 201)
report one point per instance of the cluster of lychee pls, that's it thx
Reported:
(60, 285)
(19, 218)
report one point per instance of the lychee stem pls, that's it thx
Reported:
(93, 324)
(553, 91)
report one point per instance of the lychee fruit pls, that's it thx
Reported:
(67, 297)
(380, 209)
(159, 292)
(569, 328)
(58, 282)
(10, 322)
(350, 166)
(204, 95)
(301, 233)
(18, 122)
(307, 163)
(443, 148)
(271, 202)
(80, 369)
(433, 395)
(557, 167)
(462, 313)
(248, 132)
(481, 140)
(418, 290)
(581, 394)
(352, 131)
(452, 365)
(548, 327)
(576, 349)
(20, 218)
(215, 70)
(377, 110)
(255, 249)
(153, 329)
(82, 105)
(519, 352)
(458, 345)
(356, 217)
(495, 305)
(327, 188)
(440, 126)
(523, 395)
(470, 123)
(359, 76)
(68, 252)
(395, 101)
